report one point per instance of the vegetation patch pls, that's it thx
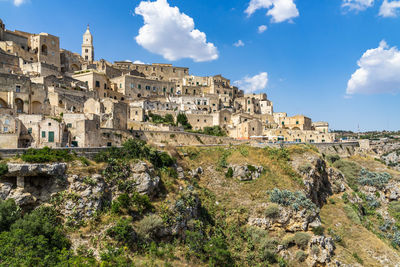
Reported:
(47, 154)
(296, 200)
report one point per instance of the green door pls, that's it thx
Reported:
(51, 137)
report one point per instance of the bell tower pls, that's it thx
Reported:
(87, 46)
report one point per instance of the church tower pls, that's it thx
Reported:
(87, 46)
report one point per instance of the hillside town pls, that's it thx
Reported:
(53, 97)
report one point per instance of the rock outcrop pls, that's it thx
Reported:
(288, 219)
(246, 172)
(27, 169)
(321, 250)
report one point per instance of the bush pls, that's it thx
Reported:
(136, 149)
(303, 169)
(123, 232)
(214, 131)
(136, 203)
(296, 200)
(3, 169)
(319, 230)
(149, 226)
(332, 158)
(37, 239)
(9, 214)
(183, 120)
(46, 154)
(301, 256)
(375, 179)
(301, 239)
(229, 173)
(272, 211)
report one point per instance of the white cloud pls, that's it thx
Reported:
(262, 28)
(170, 33)
(279, 10)
(379, 72)
(239, 43)
(252, 84)
(138, 62)
(357, 5)
(389, 9)
(19, 2)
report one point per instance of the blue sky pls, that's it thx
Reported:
(309, 58)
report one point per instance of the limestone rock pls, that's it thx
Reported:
(21, 197)
(246, 172)
(5, 189)
(320, 250)
(288, 219)
(27, 169)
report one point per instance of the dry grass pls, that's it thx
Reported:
(356, 238)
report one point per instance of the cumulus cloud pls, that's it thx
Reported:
(279, 10)
(138, 62)
(379, 72)
(357, 5)
(252, 84)
(239, 43)
(171, 34)
(19, 2)
(389, 8)
(262, 28)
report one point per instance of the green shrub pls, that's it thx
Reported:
(149, 226)
(136, 203)
(301, 239)
(357, 258)
(296, 200)
(3, 169)
(217, 250)
(140, 203)
(301, 256)
(229, 173)
(37, 239)
(332, 158)
(47, 154)
(319, 230)
(183, 120)
(375, 179)
(84, 161)
(9, 214)
(122, 232)
(272, 211)
(288, 241)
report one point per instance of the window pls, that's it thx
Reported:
(86, 57)
(283, 123)
(86, 50)
(154, 88)
(148, 87)
(164, 89)
(136, 112)
(198, 103)
(172, 89)
(132, 85)
(120, 85)
(18, 88)
(69, 125)
(29, 130)
(97, 84)
(105, 94)
(7, 122)
(5, 129)
(205, 102)
(43, 134)
(49, 123)
(297, 122)
(248, 102)
(139, 86)
(224, 118)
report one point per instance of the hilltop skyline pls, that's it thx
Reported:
(302, 55)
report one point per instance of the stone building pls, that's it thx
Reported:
(298, 122)
(10, 128)
(84, 129)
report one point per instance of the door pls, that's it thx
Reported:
(51, 137)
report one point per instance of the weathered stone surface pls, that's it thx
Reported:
(21, 197)
(244, 173)
(320, 250)
(5, 189)
(84, 197)
(27, 169)
(288, 219)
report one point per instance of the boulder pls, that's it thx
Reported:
(246, 172)
(5, 189)
(21, 197)
(321, 250)
(27, 169)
